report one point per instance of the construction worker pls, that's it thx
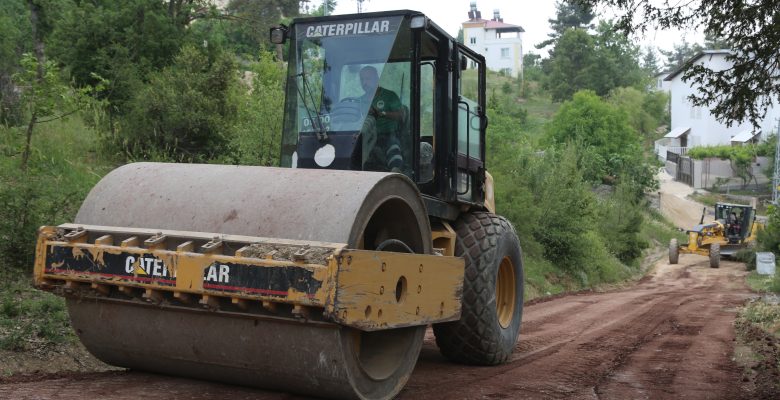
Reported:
(382, 147)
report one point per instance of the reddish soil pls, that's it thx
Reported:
(670, 336)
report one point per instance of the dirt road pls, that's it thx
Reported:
(675, 204)
(669, 336)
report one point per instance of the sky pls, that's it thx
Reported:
(531, 15)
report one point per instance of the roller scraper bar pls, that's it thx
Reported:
(308, 281)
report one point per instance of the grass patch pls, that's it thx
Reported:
(764, 315)
(763, 283)
(707, 198)
(543, 279)
(660, 231)
(30, 318)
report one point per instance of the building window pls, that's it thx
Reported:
(505, 52)
(473, 40)
(506, 71)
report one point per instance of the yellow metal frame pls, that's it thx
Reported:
(699, 242)
(368, 290)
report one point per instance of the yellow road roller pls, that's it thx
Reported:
(318, 277)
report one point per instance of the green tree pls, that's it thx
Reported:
(568, 14)
(570, 64)
(650, 62)
(14, 41)
(259, 127)
(713, 41)
(243, 25)
(119, 41)
(750, 87)
(616, 61)
(606, 140)
(620, 217)
(598, 62)
(680, 53)
(187, 111)
(646, 111)
(568, 208)
(532, 66)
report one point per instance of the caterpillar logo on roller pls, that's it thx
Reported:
(378, 222)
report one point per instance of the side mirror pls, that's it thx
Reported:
(279, 34)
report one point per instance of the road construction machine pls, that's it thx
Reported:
(734, 228)
(318, 277)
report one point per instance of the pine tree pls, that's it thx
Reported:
(568, 14)
(650, 61)
(681, 53)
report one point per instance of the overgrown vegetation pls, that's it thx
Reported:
(31, 319)
(188, 85)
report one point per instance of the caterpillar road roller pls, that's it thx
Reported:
(735, 227)
(318, 277)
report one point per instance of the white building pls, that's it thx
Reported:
(660, 84)
(500, 43)
(695, 126)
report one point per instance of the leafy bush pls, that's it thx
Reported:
(566, 207)
(747, 256)
(63, 167)
(259, 123)
(646, 110)
(769, 238)
(620, 220)
(609, 146)
(187, 112)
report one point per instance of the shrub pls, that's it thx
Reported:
(620, 220)
(187, 111)
(608, 143)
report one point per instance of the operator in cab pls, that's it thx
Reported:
(381, 144)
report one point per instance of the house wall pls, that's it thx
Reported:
(714, 171)
(489, 45)
(513, 61)
(705, 129)
(661, 85)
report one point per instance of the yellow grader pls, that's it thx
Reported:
(319, 277)
(734, 228)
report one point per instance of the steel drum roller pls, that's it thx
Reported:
(361, 209)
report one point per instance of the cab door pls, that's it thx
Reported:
(471, 124)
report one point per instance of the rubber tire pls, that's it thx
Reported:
(483, 240)
(715, 255)
(674, 251)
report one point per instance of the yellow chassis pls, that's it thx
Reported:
(310, 281)
(699, 242)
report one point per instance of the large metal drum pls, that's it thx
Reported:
(361, 209)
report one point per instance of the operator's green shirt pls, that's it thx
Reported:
(387, 101)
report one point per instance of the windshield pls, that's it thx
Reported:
(340, 74)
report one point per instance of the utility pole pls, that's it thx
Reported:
(776, 175)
